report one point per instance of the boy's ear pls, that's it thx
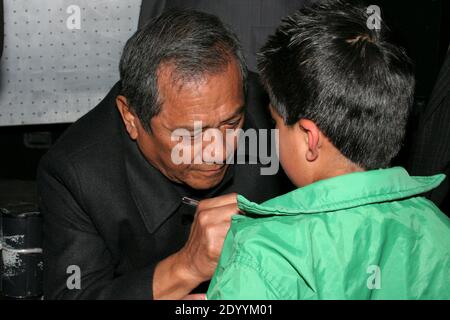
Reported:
(313, 138)
(128, 118)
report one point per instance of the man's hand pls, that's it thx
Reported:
(195, 263)
(211, 223)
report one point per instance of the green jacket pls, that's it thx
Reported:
(364, 235)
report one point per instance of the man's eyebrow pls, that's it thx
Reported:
(238, 112)
(190, 127)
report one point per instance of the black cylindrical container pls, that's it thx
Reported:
(21, 242)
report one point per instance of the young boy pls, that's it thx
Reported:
(355, 228)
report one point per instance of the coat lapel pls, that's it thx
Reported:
(154, 195)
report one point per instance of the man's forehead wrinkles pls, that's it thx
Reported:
(171, 79)
(214, 100)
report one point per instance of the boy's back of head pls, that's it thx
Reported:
(326, 65)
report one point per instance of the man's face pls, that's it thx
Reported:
(217, 101)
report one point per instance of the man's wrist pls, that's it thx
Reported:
(183, 270)
(173, 279)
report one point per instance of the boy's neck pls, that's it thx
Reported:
(338, 168)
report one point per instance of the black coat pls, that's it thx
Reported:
(109, 212)
(430, 151)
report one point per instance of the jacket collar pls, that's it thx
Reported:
(154, 194)
(344, 192)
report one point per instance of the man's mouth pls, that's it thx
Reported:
(212, 171)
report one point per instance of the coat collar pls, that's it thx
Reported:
(154, 195)
(344, 192)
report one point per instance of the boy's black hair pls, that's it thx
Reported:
(325, 64)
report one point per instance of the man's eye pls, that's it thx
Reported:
(234, 123)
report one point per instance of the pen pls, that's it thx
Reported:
(189, 201)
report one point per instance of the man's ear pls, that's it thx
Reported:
(129, 119)
(313, 137)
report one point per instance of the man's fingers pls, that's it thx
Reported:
(218, 201)
(228, 211)
(217, 215)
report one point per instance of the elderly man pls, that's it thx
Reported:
(115, 225)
